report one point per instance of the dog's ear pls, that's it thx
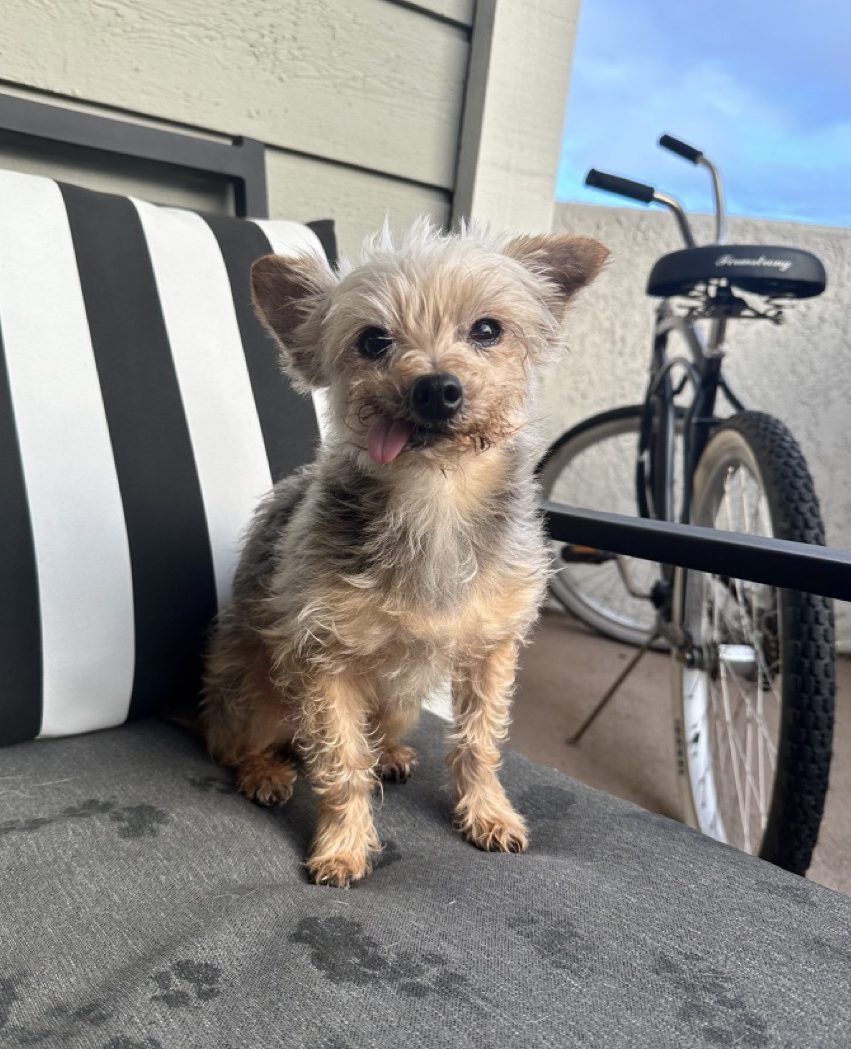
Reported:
(290, 294)
(567, 262)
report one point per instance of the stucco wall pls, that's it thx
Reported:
(800, 371)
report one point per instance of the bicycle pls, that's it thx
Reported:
(754, 673)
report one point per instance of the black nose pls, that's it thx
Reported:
(435, 398)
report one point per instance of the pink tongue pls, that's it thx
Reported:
(387, 438)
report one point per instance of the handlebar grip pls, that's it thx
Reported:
(682, 149)
(623, 187)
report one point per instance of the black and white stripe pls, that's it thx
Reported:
(142, 415)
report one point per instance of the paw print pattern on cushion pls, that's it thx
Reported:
(185, 983)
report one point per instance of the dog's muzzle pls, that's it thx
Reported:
(436, 398)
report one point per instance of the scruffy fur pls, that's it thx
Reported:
(364, 586)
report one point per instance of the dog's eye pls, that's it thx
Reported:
(374, 343)
(485, 332)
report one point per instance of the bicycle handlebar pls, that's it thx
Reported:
(623, 187)
(681, 148)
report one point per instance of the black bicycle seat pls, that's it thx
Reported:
(783, 273)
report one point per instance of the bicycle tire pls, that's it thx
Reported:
(633, 618)
(789, 630)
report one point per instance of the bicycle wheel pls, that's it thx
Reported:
(593, 465)
(754, 714)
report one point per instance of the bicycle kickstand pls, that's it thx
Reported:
(616, 684)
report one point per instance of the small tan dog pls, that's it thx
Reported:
(411, 551)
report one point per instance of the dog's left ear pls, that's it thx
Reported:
(568, 262)
(290, 296)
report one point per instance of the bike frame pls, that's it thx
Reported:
(656, 452)
(655, 465)
(700, 366)
(702, 369)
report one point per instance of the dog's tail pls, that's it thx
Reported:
(185, 717)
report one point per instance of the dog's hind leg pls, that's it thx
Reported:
(396, 759)
(266, 777)
(245, 716)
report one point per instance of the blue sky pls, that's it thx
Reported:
(763, 87)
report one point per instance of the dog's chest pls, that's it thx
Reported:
(433, 568)
(424, 568)
(462, 589)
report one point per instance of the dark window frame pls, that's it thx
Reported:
(240, 162)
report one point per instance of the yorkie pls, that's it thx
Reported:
(411, 551)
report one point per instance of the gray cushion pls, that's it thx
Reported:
(146, 905)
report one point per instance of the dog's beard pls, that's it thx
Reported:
(445, 443)
(388, 433)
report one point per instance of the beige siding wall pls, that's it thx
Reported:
(359, 100)
(305, 188)
(321, 77)
(800, 371)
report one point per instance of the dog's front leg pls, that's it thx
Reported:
(341, 767)
(481, 700)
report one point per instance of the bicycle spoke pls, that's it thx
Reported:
(755, 526)
(725, 715)
(733, 764)
(752, 713)
(760, 767)
(749, 785)
(738, 618)
(737, 583)
(742, 753)
(746, 761)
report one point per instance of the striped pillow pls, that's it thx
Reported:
(142, 415)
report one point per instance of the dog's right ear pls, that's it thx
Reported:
(290, 294)
(567, 262)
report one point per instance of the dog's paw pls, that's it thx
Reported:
(397, 762)
(337, 871)
(266, 781)
(494, 832)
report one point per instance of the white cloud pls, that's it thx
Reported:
(632, 83)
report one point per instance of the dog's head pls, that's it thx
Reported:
(426, 347)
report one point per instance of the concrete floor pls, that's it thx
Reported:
(629, 751)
